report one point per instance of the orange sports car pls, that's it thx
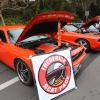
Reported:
(18, 43)
(86, 35)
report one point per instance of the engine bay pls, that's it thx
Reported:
(45, 45)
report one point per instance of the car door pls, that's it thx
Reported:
(3, 41)
(6, 50)
(68, 32)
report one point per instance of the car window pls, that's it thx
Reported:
(92, 27)
(2, 36)
(71, 27)
(33, 38)
(15, 33)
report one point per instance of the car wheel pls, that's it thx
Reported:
(24, 73)
(85, 43)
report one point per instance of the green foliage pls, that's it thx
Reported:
(11, 17)
(18, 16)
(95, 8)
(23, 16)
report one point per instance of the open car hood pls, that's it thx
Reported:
(44, 23)
(90, 22)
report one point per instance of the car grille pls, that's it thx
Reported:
(74, 47)
(77, 55)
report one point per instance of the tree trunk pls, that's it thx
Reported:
(2, 19)
(38, 6)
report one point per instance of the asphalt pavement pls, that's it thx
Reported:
(87, 82)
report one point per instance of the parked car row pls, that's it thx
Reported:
(90, 25)
(90, 39)
(40, 36)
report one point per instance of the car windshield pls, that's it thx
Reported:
(92, 27)
(71, 27)
(15, 33)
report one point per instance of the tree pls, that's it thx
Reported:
(81, 6)
(13, 5)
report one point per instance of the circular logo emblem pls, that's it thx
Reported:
(54, 74)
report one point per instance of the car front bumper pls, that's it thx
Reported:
(76, 68)
(77, 63)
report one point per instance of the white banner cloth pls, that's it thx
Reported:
(53, 73)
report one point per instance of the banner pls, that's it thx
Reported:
(53, 73)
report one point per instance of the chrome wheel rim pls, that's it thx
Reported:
(82, 42)
(23, 72)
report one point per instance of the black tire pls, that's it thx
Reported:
(85, 43)
(24, 73)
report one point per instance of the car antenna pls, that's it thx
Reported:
(59, 35)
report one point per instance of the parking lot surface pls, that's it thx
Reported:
(87, 81)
